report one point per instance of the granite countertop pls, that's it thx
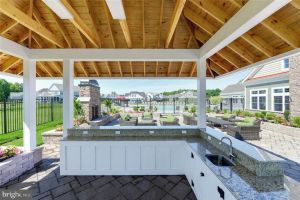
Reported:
(241, 182)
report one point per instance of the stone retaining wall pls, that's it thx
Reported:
(17, 165)
(287, 130)
(52, 137)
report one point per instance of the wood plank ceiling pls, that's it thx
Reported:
(178, 24)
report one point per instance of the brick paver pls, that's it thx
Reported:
(45, 183)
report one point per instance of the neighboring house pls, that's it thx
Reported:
(136, 96)
(16, 95)
(56, 90)
(233, 97)
(267, 87)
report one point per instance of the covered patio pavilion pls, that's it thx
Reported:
(179, 39)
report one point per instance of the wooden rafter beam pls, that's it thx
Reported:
(282, 31)
(96, 68)
(180, 69)
(144, 66)
(193, 69)
(143, 23)
(79, 23)
(209, 68)
(254, 40)
(107, 15)
(6, 26)
(174, 20)
(216, 68)
(108, 68)
(11, 11)
(160, 22)
(232, 59)
(296, 4)
(30, 14)
(56, 66)
(93, 21)
(61, 27)
(131, 69)
(81, 66)
(120, 69)
(126, 32)
(169, 68)
(9, 63)
(156, 69)
(47, 68)
(221, 62)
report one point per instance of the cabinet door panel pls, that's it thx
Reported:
(88, 157)
(102, 157)
(148, 157)
(133, 157)
(163, 157)
(73, 158)
(118, 157)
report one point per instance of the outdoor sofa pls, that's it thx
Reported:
(244, 132)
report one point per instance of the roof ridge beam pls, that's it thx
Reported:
(246, 18)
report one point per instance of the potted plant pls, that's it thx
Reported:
(8, 152)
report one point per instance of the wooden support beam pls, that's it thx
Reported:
(10, 62)
(108, 68)
(216, 68)
(30, 14)
(180, 69)
(156, 69)
(108, 22)
(120, 68)
(96, 68)
(79, 23)
(126, 32)
(254, 40)
(6, 26)
(174, 20)
(61, 27)
(221, 62)
(282, 31)
(144, 68)
(209, 68)
(160, 22)
(47, 69)
(169, 68)
(296, 4)
(39, 72)
(194, 66)
(143, 23)
(11, 11)
(227, 55)
(131, 69)
(91, 15)
(81, 66)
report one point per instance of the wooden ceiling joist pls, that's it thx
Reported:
(11, 11)
(79, 23)
(131, 69)
(108, 68)
(47, 69)
(174, 20)
(282, 31)
(9, 63)
(7, 26)
(81, 66)
(107, 15)
(193, 69)
(160, 22)
(96, 68)
(144, 66)
(120, 69)
(126, 32)
(180, 69)
(156, 69)
(296, 4)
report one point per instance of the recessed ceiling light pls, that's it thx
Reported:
(59, 9)
(116, 9)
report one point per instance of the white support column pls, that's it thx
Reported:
(68, 95)
(29, 104)
(201, 93)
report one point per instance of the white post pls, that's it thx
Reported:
(29, 104)
(68, 95)
(201, 93)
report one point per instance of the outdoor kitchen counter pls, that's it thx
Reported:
(242, 183)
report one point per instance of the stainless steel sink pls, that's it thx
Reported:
(219, 160)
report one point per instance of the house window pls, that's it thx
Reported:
(259, 99)
(286, 64)
(281, 99)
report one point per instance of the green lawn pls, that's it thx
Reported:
(16, 138)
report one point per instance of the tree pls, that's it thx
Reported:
(15, 87)
(215, 100)
(4, 89)
(108, 103)
(213, 92)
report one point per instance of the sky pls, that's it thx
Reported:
(122, 86)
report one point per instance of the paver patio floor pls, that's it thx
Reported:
(46, 183)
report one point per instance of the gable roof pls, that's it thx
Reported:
(60, 87)
(233, 89)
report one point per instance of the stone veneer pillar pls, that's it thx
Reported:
(294, 82)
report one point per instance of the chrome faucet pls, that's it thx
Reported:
(231, 156)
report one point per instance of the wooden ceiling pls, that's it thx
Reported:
(178, 24)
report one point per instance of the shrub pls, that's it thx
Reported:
(142, 108)
(296, 121)
(278, 120)
(270, 116)
(209, 110)
(263, 113)
(125, 117)
(286, 115)
(258, 115)
(136, 108)
(248, 114)
(225, 111)
(11, 150)
(193, 109)
(238, 112)
(114, 110)
(169, 118)
(248, 121)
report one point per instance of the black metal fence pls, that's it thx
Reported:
(11, 113)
